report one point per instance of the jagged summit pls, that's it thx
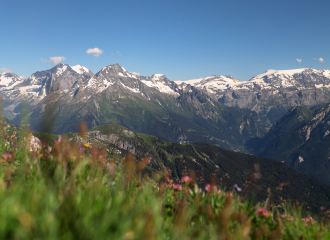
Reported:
(60, 78)
(278, 73)
(8, 81)
(158, 77)
(80, 69)
(212, 83)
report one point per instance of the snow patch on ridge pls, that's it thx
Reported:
(160, 86)
(61, 70)
(287, 73)
(9, 82)
(157, 76)
(212, 83)
(136, 90)
(80, 69)
(326, 73)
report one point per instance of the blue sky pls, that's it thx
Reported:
(181, 39)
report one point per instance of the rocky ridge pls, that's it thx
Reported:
(35, 88)
(271, 93)
(152, 105)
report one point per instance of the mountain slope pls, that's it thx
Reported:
(301, 139)
(35, 88)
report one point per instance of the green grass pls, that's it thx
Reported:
(73, 192)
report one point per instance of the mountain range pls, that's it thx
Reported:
(270, 94)
(152, 105)
(278, 114)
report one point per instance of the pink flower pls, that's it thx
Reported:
(175, 186)
(284, 216)
(186, 179)
(219, 192)
(170, 181)
(308, 221)
(229, 194)
(59, 138)
(262, 212)
(208, 188)
(178, 187)
(6, 156)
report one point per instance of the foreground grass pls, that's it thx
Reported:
(75, 192)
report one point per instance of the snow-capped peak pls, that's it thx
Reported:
(157, 76)
(269, 72)
(61, 68)
(215, 78)
(212, 83)
(9, 79)
(80, 69)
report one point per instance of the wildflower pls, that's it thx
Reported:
(175, 186)
(34, 143)
(208, 188)
(6, 157)
(186, 179)
(237, 188)
(170, 181)
(59, 138)
(262, 212)
(284, 216)
(178, 187)
(219, 192)
(229, 194)
(86, 145)
(308, 221)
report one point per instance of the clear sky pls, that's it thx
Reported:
(181, 39)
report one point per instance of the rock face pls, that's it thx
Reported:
(272, 93)
(115, 140)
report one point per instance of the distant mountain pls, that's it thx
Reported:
(8, 81)
(301, 139)
(270, 94)
(152, 105)
(32, 90)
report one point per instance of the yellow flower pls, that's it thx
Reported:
(86, 145)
